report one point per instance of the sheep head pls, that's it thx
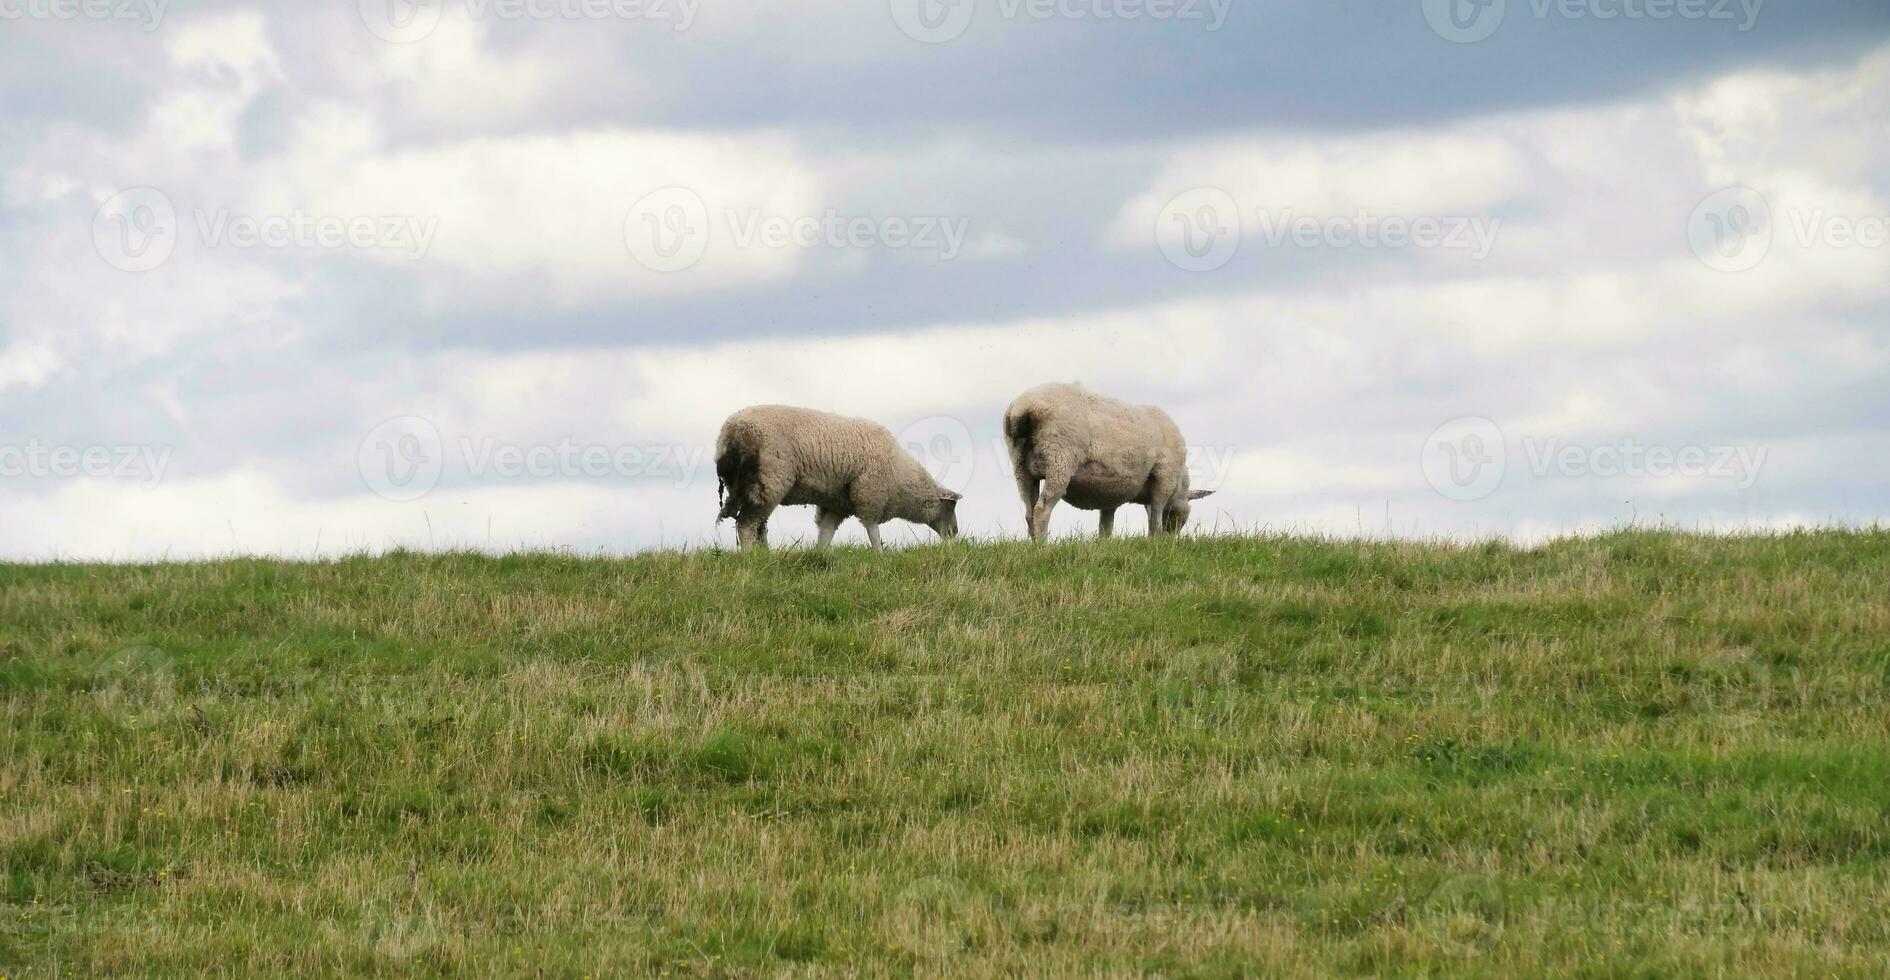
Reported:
(944, 513)
(1177, 513)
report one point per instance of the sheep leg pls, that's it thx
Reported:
(751, 526)
(1027, 489)
(1055, 483)
(828, 522)
(872, 531)
(1107, 524)
(1161, 490)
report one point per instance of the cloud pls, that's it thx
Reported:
(503, 223)
(1315, 373)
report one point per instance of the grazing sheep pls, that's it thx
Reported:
(769, 455)
(1097, 453)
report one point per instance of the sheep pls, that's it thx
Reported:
(769, 455)
(1097, 453)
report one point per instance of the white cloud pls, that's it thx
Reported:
(1592, 320)
(504, 222)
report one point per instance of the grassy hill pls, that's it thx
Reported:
(1205, 757)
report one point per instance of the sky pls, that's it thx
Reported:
(316, 279)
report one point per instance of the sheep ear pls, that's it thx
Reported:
(1198, 494)
(944, 494)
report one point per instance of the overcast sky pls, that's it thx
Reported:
(319, 278)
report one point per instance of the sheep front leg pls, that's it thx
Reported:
(828, 522)
(1106, 525)
(1161, 489)
(872, 531)
(1156, 509)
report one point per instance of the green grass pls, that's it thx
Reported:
(1646, 753)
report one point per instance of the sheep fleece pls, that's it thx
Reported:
(845, 465)
(1114, 452)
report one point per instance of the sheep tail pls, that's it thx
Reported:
(1020, 430)
(737, 468)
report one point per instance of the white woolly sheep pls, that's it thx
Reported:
(1096, 453)
(769, 455)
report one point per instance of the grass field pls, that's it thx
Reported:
(1645, 753)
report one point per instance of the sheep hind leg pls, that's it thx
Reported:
(1055, 484)
(828, 522)
(1027, 489)
(872, 531)
(751, 526)
(1106, 524)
